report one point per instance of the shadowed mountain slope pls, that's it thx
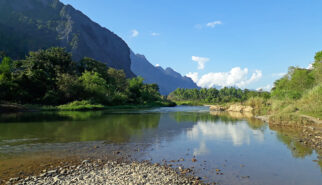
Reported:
(29, 25)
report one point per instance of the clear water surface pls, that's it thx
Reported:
(229, 148)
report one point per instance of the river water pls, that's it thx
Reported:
(228, 148)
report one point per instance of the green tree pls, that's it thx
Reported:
(150, 93)
(89, 64)
(70, 88)
(7, 85)
(134, 90)
(117, 79)
(95, 87)
(51, 77)
(5, 69)
(294, 84)
(317, 68)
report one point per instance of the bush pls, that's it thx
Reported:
(80, 105)
(261, 105)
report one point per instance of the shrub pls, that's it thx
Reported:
(80, 105)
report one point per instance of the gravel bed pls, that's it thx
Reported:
(110, 172)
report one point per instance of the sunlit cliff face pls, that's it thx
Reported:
(237, 134)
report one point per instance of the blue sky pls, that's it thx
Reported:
(247, 43)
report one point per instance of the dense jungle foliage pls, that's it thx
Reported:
(50, 77)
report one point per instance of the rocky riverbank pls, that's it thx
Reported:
(311, 128)
(307, 134)
(111, 172)
(308, 129)
(231, 108)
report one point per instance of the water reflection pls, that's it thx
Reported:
(173, 133)
(237, 134)
(74, 127)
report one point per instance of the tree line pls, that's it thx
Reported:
(213, 95)
(51, 77)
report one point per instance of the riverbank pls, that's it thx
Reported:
(110, 172)
(308, 128)
(288, 119)
(77, 106)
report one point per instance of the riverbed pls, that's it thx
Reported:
(217, 147)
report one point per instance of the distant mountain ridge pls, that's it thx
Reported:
(168, 79)
(28, 25)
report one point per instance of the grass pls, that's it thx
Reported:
(192, 103)
(83, 105)
(311, 102)
(260, 105)
(201, 103)
(80, 105)
(289, 110)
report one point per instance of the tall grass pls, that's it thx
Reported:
(291, 110)
(260, 105)
(311, 102)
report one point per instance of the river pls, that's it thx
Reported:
(219, 147)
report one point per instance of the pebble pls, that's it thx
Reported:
(112, 173)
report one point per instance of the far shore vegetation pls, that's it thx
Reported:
(51, 80)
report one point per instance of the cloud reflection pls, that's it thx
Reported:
(239, 134)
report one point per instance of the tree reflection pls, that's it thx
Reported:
(289, 136)
(112, 127)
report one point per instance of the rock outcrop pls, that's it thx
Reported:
(232, 108)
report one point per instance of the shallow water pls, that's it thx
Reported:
(230, 149)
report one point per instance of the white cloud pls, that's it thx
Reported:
(235, 77)
(134, 33)
(265, 88)
(213, 24)
(154, 34)
(193, 76)
(310, 66)
(157, 65)
(201, 61)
